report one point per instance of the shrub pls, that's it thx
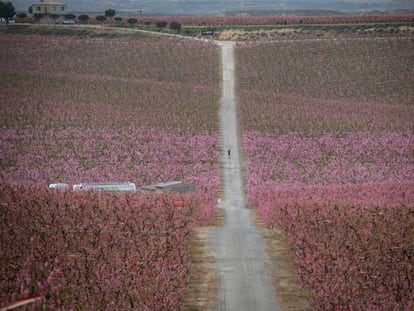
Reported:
(83, 17)
(69, 16)
(161, 24)
(175, 26)
(54, 16)
(100, 18)
(110, 13)
(38, 16)
(132, 21)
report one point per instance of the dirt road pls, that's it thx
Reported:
(237, 246)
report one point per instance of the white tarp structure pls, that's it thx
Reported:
(59, 186)
(173, 186)
(123, 186)
(126, 186)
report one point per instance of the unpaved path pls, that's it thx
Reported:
(237, 246)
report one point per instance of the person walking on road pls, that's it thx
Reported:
(228, 153)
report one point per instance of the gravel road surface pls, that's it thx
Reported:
(237, 246)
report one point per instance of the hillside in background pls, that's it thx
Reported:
(214, 7)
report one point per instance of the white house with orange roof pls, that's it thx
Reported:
(49, 7)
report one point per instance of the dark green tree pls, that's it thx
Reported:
(100, 18)
(161, 24)
(83, 18)
(110, 13)
(21, 15)
(118, 19)
(175, 26)
(69, 16)
(7, 10)
(30, 9)
(132, 21)
(54, 17)
(38, 16)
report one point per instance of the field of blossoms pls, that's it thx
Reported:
(78, 109)
(219, 20)
(96, 251)
(328, 136)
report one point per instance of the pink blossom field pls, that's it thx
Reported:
(96, 251)
(78, 109)
(277, 19)
(328, 139)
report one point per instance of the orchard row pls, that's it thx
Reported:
(328, 139)
(276, 20)
(326, 86)
(352, 244)
(100, 251)
(76, 109)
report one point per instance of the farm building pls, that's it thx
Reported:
(42, 7)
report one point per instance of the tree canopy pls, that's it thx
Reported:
(7, 10)
(175, 26)
(132, 21)
(110, 13)
(69, 16)
(161, 24)
(83, 17)
(100, 18)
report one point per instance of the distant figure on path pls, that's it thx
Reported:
(228, 152)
